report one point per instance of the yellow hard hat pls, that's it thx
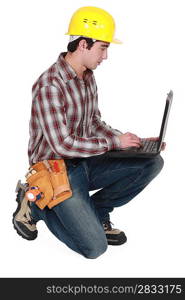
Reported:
(93, 22)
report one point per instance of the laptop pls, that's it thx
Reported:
(149, 148)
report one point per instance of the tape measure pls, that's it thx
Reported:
(33, 194)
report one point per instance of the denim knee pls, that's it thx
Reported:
(158, 164)
(95, 250)
(152, 168)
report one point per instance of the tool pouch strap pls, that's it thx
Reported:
(54, 185)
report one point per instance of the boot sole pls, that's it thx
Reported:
(116, 241)
(24, 232)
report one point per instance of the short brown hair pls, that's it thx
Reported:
(72, 46)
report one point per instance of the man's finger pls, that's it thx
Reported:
(163, 146)
(151, 138)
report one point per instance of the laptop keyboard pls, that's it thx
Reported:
(148, 146)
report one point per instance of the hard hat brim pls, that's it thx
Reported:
(114, 41)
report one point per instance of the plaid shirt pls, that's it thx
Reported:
(65, 119)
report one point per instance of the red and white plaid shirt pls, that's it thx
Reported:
(65, 119)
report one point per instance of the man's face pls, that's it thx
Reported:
(95, 55)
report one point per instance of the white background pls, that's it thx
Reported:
(133, 84)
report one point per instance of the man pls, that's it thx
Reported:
(66, 123)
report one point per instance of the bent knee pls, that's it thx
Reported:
(153, 167)
(95, 251)
(158, 163)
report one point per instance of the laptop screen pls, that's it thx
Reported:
(165, 119)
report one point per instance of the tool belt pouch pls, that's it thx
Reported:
(60, 184)
(54, 186)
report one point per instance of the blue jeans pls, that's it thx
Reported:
(77, 221)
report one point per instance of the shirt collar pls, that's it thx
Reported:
(67, 72)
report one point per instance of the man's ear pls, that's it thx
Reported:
(82, 45)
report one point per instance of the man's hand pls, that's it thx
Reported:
(156, 139)
(129, 140)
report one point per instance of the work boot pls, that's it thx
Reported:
(114, 236)
(22, 219)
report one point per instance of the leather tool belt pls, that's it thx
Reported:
(50, 177)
